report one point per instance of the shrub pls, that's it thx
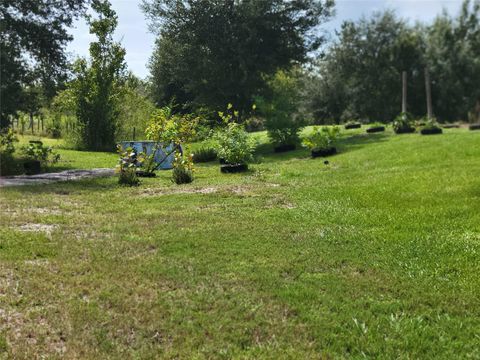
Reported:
(280, 109)
(182, 168)
(232, 143)
(321, 138)
(204, 154)
(37, 152)
(7, 148)
(127, 167)
(403, 123)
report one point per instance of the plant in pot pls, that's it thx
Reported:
(376, 127)
(279, 106)
(38, 157)
(403, 124)
(233, 144)
(183, 168)
(431, 127)
(321, 141)
(127, 166)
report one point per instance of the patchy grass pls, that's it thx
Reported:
(374, 255)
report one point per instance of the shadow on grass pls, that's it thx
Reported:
(358, 141)
(69, 187)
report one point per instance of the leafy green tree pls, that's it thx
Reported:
(32, 42)
(281, 108)
(97, 87)
(213, 52)
(453, 58)
(360, 77)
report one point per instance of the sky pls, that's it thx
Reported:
(133, 33)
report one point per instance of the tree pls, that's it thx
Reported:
(453, 58)
(213, 52)
(281, 108)
(33, 39)
(97, 87)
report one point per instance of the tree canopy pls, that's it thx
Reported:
(32, 43)
(214, 52)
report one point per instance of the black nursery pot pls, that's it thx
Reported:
(353, 126)
(431, 131)
(405, 130)
(233, 168)
(474, 127)
(284, 148)
(146, 174)
(32, 167)
(324, 152)
(376, 129)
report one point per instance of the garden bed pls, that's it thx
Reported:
(353, 126)
(474, 127)
(405, 130)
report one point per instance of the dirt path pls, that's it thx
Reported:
(48, 178)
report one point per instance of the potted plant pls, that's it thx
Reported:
(376, 127)
(403, 124)
(182, 168)
(126, 167)
(431, 128)
(233, 145)
(38, 157)
(321, 141)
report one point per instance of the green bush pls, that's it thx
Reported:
(204, 154)
(182, 169)
(37, 152)
(127, 167)
(232, 143)
(403, 123)
(281, 109)
(321, 138)
(7, 148)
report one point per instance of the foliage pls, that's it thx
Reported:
(135, 109)
(183, 168)
(321, 138)
(215, 52)
(281, 108)
(232, 143)
(97, 85)
(34, 35)
(166, 127)
(403, 123)
(36, 151)
(7, 148)
(7, 142)
(127, 166)
(204, 154)
(360, 74)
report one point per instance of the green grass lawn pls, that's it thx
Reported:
(376, 255)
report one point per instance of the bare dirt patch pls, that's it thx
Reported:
(46, 228)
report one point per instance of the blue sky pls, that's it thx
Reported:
(133, 32)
